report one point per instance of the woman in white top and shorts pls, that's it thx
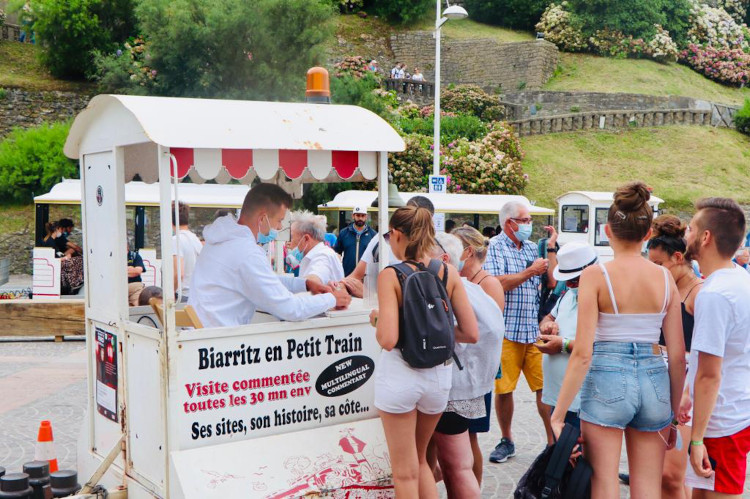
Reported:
(410, 400)
(623, 306)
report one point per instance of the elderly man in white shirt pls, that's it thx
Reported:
(307, 247)
(233, 278)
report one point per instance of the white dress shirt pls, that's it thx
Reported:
(322, 262)
(233, 278)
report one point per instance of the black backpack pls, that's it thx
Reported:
(551, 476)
(426, 324)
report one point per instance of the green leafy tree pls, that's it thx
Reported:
(71, 30)
(401, 11)
(517, 14)
(32, 161)
(232, 49)
(633, 17)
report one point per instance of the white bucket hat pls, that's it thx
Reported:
(572, 259)
(359, 209)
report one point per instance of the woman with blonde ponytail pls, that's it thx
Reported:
(410, 400)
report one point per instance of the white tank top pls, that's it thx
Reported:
(630, 328)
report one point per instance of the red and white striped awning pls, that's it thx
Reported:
(223, 140)
(245, 164)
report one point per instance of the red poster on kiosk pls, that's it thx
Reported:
(106, 374)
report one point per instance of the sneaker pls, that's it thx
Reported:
(624, 478)
(503, 451)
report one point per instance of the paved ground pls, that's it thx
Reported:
(46, 380)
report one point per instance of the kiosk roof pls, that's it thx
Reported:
(225, 139)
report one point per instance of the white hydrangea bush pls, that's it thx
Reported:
(713, 26)
(557, 26)
(661, 47)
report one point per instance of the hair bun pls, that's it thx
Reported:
(632, 197)
(669, 226)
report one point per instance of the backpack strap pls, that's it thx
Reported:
(434, 269)
(402, 272)
(559, 459)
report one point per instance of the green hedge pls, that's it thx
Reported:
(451, 127)
(742, 118)
(32, 161)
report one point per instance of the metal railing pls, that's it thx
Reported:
(416, 89)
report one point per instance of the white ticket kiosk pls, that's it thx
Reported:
(271, 409)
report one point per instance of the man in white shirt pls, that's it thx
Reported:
(316, 260)
(186, 252)
(368, 264)
(233, 278)
(720, 353)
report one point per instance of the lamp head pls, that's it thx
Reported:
(455, 12)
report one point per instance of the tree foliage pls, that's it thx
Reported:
(401, 11)
(71, 30)
(742, 118)
(231, 49)
(633, 17)
(32, 161)
(517, 14)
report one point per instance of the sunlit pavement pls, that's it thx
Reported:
(46, 380)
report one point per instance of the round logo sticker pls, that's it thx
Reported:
(99, 195)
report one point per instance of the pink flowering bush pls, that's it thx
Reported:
(472, 100)
(489, 166)
(355, 66)
(729, 66)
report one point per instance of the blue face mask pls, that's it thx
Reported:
(523, 232)
(461, 264)
(270, 236)
(294, 257)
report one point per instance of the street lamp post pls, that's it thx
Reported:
(452, 12)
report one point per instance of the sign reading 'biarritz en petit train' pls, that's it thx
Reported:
(237, 388)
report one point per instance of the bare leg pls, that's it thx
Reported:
(504, 409)
(456, 460)
(432, 460)
(646, 451)
(675, 463)
(426, 424)
(544, 413)
(477, 452)
(402, 449)
(602, 449)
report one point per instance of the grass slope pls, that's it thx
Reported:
(20, 67)
(681, 163)
(602, 74)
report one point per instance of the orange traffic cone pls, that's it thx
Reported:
(45, 446)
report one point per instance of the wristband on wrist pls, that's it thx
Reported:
(551, 250)
(675, 422)
(566, 345)
(696, 442)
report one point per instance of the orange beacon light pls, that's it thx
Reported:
(318, 87)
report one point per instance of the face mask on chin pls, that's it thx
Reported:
(269, 236)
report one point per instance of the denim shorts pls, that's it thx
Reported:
(627, 386)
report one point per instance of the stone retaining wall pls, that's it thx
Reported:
(610, 120)
(20, 108)
(558, 103)
(482, 61)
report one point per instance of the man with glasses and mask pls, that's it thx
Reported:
(353, 239)
(516, 263)
(233, 278)
(309, 251)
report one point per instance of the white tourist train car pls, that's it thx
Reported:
(582, 216)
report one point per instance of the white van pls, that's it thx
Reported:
(576, 210)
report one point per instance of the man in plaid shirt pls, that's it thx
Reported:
(516, 263)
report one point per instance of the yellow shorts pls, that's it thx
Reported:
(517, 357)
